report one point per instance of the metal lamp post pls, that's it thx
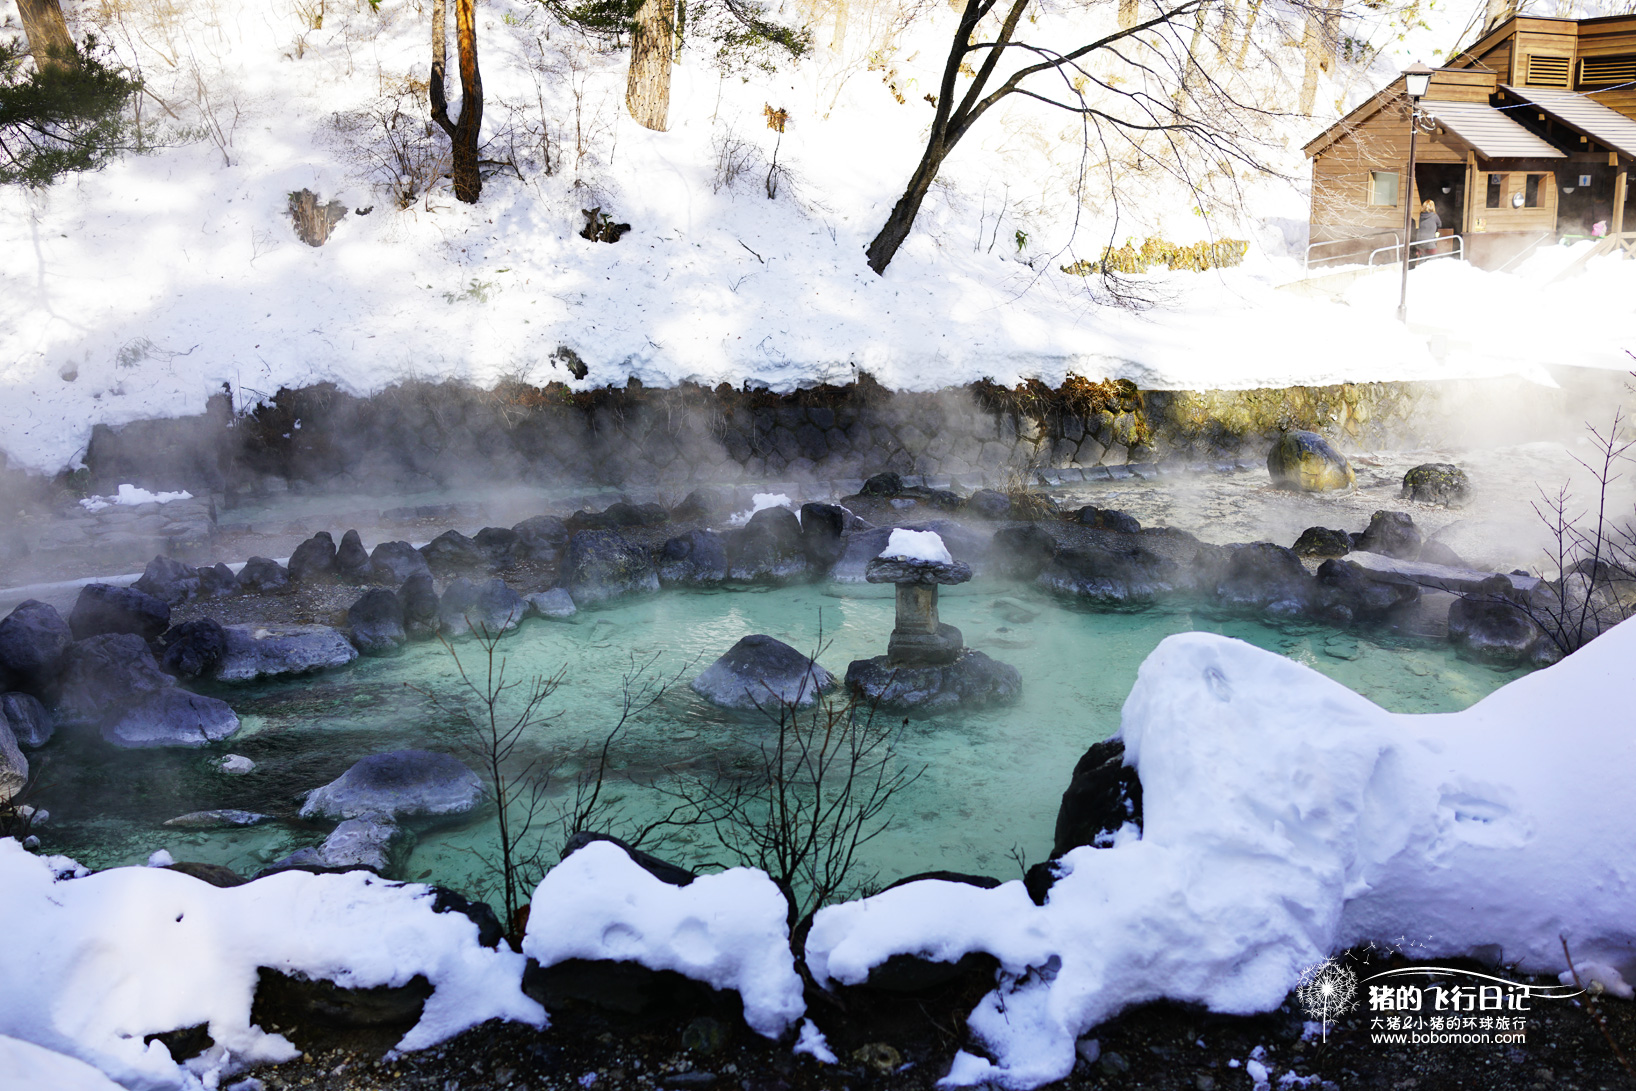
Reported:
(1416, 81)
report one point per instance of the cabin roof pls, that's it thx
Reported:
(1583, 114)
(1491, 133)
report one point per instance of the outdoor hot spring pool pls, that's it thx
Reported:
(992, 779)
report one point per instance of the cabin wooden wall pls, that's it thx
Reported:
(1340, 175)
(1609, 38)
(1506, 218)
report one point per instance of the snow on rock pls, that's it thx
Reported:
(917, 545)
(93, 964)
(131, 495)
(761, 501)
(1286, 817)
(727, 930)
(813, 1043)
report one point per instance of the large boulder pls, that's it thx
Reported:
(503, 546)
(314, 559)
(768, 547)
(376, 622)
(420, 603)
(1391, 534)
(989, 504)
(263, 576)
(1306, 461)
(275, 651)
(194, 649)
(488, 608)
(1437, 483)
(171, 717)
(452, 553)
(1111, 573)
(103, 676)
(1103, 795)
(556, 603)
(13, 765)
(351, 559)
(705, 505)
(1494, 630)
(103, 608)
(695, 559)
(1107, 519)
(33, 640)
(1268, 577)
(823, 527)
(393, 562)
(370, 841)
(882, 485)
(30, 723)
(972, 680)
(1023, 552)
(604, 564)
(1322, 542)
(541, 538)
(398, 784)
(762, 672)
(1347, 593)
(169, 580)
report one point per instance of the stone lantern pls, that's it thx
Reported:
(918, 638)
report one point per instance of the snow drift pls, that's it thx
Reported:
(1286, 817)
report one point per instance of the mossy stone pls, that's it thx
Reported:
(1306, 461)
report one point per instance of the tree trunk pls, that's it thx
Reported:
(1319, 45)
(464, 133)
(647, 89)
(47, 31)
(1498, 11)
(1128, 14)
(885, 246)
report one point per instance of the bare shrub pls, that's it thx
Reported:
(734, 157)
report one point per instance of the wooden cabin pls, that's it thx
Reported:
(1528, 136)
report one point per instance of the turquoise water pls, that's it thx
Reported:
(992, 779)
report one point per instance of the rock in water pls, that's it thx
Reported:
(169, 581)
(761, 672)
(697, 558)
(555, 603)
(603, 565)
(1347, 594)
(394, 562)
(823, 527)
(172, 717)
(13, 766)
(419, 606)
(1496, 631)
(33, 641)
(217, 820)
(272, 651)
(30, 722)
(103, 608)
(370, 841)
(194, 648)
(1391, 534)
(1267, 577)
(488, 608)
(376, 621)
(106, 675)
(398, 784)
(1437, 483)
(314, 559)
(1306, 461)
(768, 547)
(973, 680)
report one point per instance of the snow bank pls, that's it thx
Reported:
(25, 1066)
(93, 964)
(727, 930)
(131, 495)
(917, 545)
(1285, 818)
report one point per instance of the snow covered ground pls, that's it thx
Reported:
(141, 290)
(1285, 818)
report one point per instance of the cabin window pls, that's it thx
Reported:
(1530, 197)
(1548, 71)
(1605, 70)
(1383, 187)
(1496, 190)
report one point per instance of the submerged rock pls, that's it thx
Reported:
(29, 721)
(394, 562)
(1306, 461)
(274, 651)
(1267, 577)
(1391, 534)
(398, 784)
(102, 608)
(486, 609)
(555, 603)
(169, 580)
(369, 841)
(762, 672)
(376, 622)
(972, 680)
(603, 565)
(216, 820)
(172, 717)
(194, 649)
(1437, 483)
(33, 640)
(695, 559)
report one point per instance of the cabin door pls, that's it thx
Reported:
(1445, 185)
(1585, 200)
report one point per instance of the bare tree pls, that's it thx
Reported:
(47, 32)
(464, 133)
(1167, 94)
